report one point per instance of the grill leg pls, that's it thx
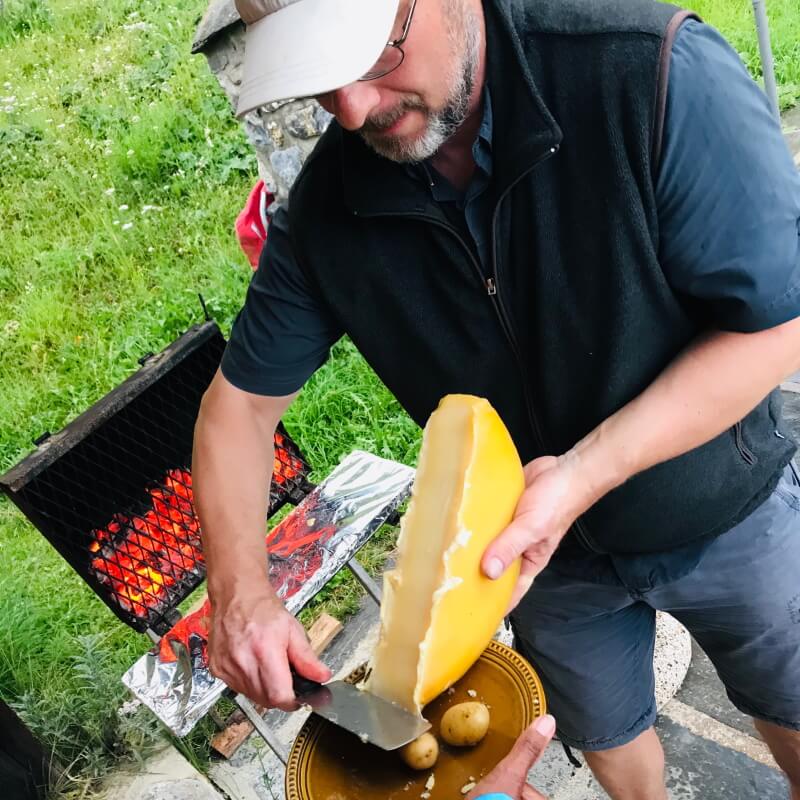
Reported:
(263, 729)
(363, 577)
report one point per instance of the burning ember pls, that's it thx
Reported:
(286, 466)
(141, 557)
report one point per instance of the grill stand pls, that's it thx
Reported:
(364, 578)
(251, 712)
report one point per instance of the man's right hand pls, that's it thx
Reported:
(252, 642)
(253, 639)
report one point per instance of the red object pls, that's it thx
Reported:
(251, 224)
(196, 625)
(140, 557)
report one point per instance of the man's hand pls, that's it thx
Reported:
(253, 641)
(511, 774)
(554, 497)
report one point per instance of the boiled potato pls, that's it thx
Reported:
(422, 752)
(465, 724)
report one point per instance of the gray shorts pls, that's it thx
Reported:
(591, 636)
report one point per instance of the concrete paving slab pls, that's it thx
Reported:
(791, 412)
(166, 775)
(700, 769)
(701, 724)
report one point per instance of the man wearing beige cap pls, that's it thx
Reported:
(584, 212)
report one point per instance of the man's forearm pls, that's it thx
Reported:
(232, 469)
(231, 486)
(712, 385)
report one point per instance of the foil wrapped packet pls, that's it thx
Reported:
(306, 549)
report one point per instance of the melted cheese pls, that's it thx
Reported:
(439, 611)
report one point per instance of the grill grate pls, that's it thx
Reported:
(112, 491)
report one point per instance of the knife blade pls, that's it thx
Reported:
(371, 718)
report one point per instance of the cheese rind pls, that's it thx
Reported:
(439, 611)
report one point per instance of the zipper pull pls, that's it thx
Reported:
(491, 287)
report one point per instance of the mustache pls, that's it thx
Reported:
(380, 122)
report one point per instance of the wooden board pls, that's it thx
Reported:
(238, 727)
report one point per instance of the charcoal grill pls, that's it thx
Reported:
(112, 492)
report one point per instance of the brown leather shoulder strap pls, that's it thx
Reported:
(662, 84)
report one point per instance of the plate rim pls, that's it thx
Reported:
(296, 778)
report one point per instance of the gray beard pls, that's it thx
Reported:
(442, 124)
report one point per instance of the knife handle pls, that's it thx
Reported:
(303, 685)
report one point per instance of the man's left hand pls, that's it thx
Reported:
(554, 497)
(510, 776)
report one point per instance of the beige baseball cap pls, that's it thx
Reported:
(301, 48)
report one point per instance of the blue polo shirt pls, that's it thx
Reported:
(728, 202)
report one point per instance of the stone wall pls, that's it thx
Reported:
(284, 133)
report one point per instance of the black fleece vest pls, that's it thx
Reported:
(576, 318)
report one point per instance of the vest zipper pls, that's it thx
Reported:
(491, 285)
(505, 319)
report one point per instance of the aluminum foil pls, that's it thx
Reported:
(306, 550)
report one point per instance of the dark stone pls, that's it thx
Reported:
(791, 413)
(702, 769)
(286, 164)
(219, 16)
(303, 123)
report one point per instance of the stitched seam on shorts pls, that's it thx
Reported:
(611, 741)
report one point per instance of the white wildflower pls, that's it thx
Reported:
(123, 207)
(110, 191)
(115, 222)
(147, 209)
(127, 226)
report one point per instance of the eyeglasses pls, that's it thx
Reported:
(392, 56)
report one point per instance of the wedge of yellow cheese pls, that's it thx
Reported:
(439, 611)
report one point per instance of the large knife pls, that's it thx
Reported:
(371, 718)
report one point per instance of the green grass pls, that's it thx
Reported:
(736, 21)
(121, 173)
